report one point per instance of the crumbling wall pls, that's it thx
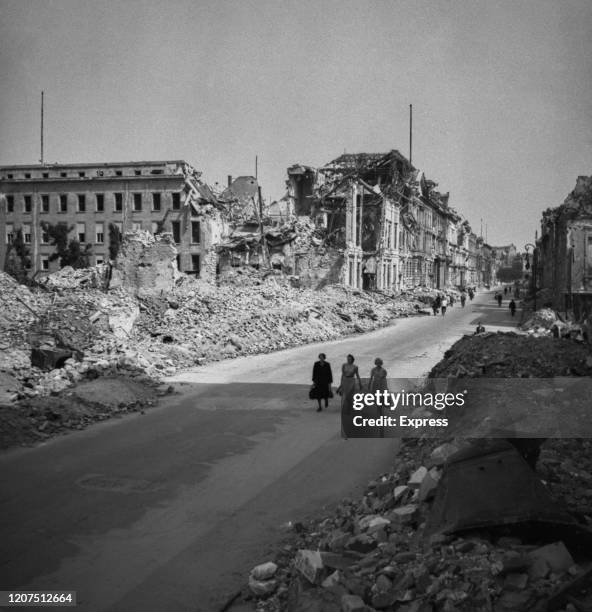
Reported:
(146, 265)
(320, 267)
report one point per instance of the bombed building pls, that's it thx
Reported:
(89, 198)
(385, 224)
(563, 254)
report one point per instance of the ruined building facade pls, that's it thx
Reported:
(563, 255)
(90, 197)
(386, 226)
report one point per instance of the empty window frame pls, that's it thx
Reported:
(99, 202)
(195, 232)
(27, 204)
(27, 233)
(81, 203)
(136, 225)
(44, 237)
(44, 262)
(195, 266)
(137, 202)
(45, 203)
(176, 226)
(9, 233)
(156, 202)
(63, 203)
(176, 201)
(9, 203)
(118, 202)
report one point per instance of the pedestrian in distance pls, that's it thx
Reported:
(436, 304)
(499, 299)
(480, 329)
(512, 307)
(322, 378)
(347, 388)
(451, 299)
(463, 299)
(444, 305)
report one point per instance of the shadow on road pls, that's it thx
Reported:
(494, 315)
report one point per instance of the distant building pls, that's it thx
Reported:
(90, 197)
(562, 263)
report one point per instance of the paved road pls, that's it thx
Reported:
(169, 510)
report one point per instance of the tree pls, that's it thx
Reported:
(18, 258)
(69, 252)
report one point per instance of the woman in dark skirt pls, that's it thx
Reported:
(322, 377)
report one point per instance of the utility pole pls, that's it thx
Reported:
(410, 133)
(41, 160)
(256, 164)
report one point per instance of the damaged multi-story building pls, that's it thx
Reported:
(385, 224)
(90, 197)
(563, 254)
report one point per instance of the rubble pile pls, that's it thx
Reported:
(384, 552)
(373, 554)
(511, 355)
(546, 322)
(89, 328)
(71, 330)
(36, 419)
(256, 313)
(69, 278)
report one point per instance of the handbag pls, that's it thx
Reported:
(311, 392)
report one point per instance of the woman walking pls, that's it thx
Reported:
(322, 377)
(378, 382)
(347, 388)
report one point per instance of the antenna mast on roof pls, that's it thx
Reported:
(41, 160)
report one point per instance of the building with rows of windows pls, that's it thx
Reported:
(90, 197)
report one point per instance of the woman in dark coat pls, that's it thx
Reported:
(322, 377)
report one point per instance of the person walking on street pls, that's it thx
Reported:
(480, 329)
(322, 378)
(378, 382)
(499, 299)
(512, 306)
(436, 304)
(451, 299)
(443, 305)
(463, 299)
(347, 388)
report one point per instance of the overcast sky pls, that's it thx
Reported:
(501, 91)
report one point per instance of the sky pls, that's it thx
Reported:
(501, 91)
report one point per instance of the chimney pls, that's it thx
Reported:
(229, 180)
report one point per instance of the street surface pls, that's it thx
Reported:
(170, 510)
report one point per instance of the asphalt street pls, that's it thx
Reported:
(169, 510)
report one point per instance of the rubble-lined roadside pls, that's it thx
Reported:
(380, 552)
(76, 331)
